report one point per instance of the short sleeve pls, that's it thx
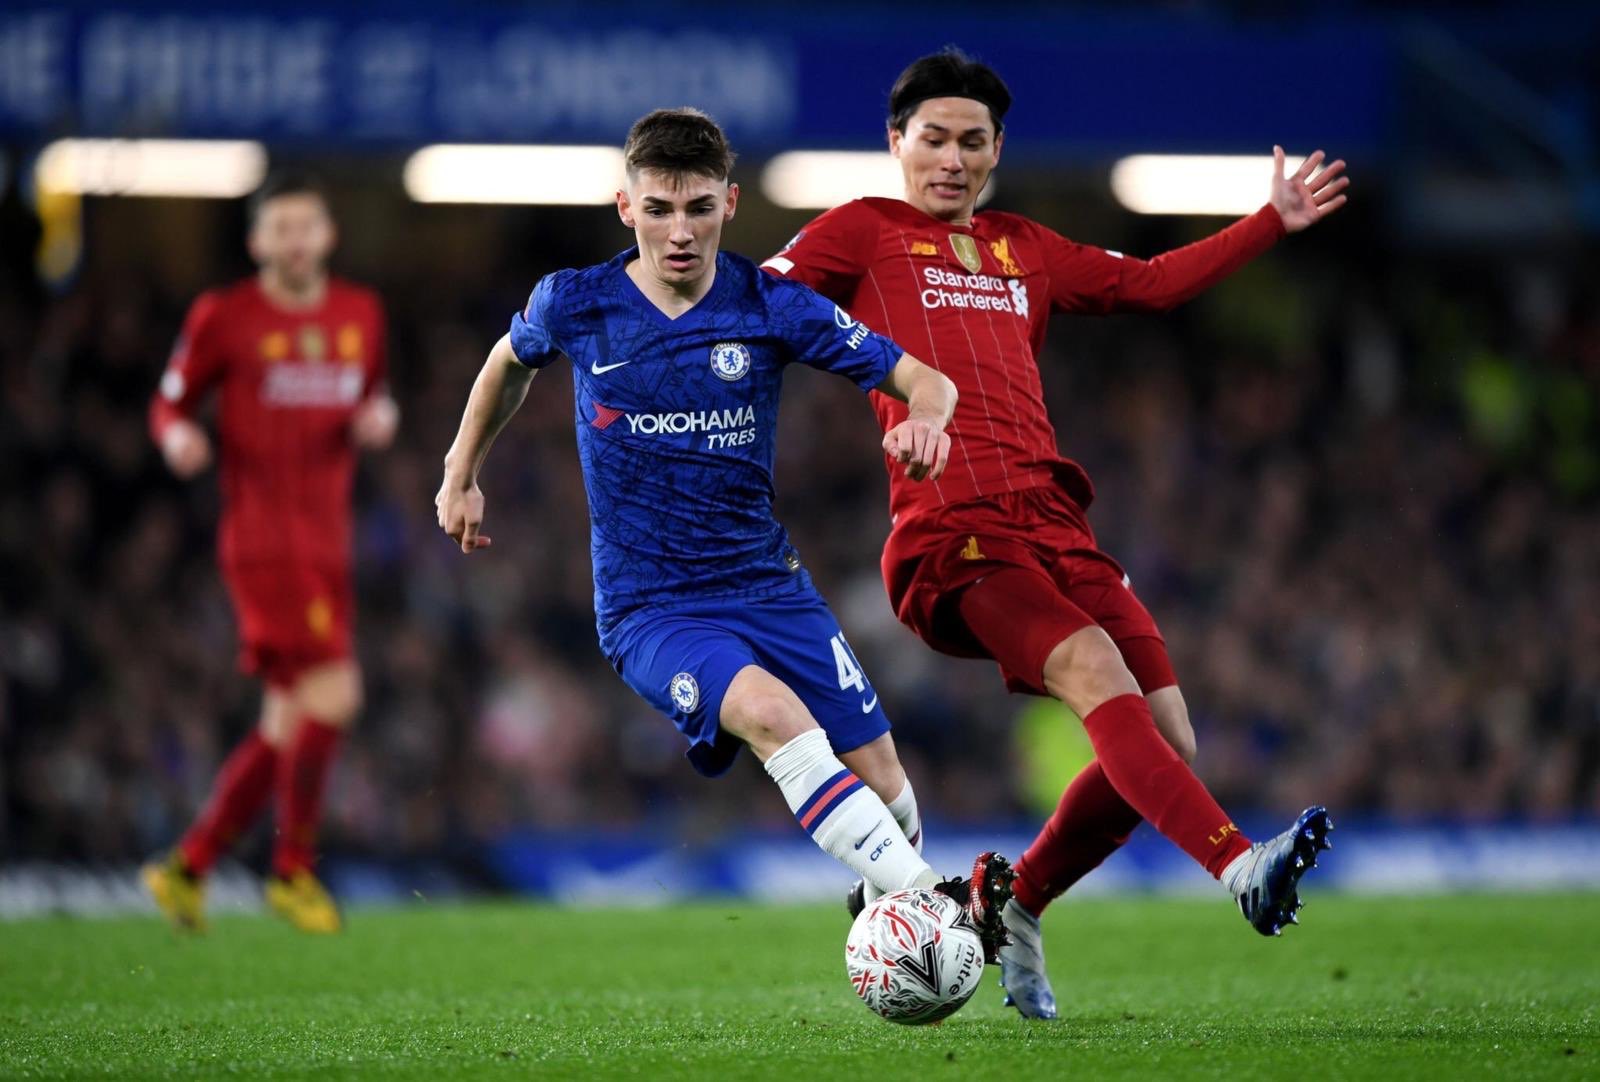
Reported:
(823, 335)
(533, 339)
(831, 254)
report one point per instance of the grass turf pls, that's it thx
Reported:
(1458, 987)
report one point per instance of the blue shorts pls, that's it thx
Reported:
(681, 660)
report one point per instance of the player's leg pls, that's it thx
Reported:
(1014, 612)
(1092, 819)
(1265, 878)
(843, 815)
(240, 793)
(1086, 670)
(799, 640)
(325, 700)
(878, 764)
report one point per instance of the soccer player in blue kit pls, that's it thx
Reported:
(702, 605)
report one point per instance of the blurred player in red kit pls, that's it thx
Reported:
(298, 359)
(997, 559)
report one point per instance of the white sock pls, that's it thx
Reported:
(904, 810)
(1234, 877)
(844, 816)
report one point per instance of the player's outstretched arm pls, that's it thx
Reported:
(1088, 279)
(1304, 199)
(501, 386)
(920, 441)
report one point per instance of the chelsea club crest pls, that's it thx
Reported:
(730, 360)
(685, 692)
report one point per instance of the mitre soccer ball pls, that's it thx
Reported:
(914, 956)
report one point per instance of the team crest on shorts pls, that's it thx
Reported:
(730, 360)
(685, 692)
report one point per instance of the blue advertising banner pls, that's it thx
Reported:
(402, 74)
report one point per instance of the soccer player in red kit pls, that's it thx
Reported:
(996, 559)
(298, 359)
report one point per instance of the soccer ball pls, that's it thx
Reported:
(914, 956)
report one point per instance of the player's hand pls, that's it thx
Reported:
(460, 508)
(374, 423)
(921, 445)
(186, 447)
(1303, 200)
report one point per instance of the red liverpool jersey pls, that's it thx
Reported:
(290, 382)
(973, 301)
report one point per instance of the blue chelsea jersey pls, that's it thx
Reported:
(677, 421)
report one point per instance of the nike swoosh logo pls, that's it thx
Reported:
(597, 368)
(866, 707)
(868, 834)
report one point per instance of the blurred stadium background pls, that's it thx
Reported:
(1359, 484)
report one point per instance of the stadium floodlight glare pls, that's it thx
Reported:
(185, 168)
(819, 179)
(1194, 183)
(550, 175)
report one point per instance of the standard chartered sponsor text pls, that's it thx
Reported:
(983, 292)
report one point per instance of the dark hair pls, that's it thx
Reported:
(683, 142)
(948, 73)
(285, 182)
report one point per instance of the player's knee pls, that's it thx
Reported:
(332, 695)
(1183, 743)
(765, 718)
(1171, 715)
(1086, 669)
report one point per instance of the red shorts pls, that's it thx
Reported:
(1060, 582)
(291, 618)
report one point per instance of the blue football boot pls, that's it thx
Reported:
(1265, 882)
(1022, 965)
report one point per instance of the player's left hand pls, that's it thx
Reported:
(921, 445)
(1303, 200)
(374, 423)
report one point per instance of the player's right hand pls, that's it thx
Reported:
(461, 513)
(186, 448)
(921, 445)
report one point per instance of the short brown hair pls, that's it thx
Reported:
(682, 142)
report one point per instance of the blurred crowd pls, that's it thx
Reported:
(1363, 505)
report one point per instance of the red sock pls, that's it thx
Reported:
(1158, 784)
(1089, 824)
(302, 776)
(237, 797)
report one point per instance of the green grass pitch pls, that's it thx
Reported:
(1456, 987)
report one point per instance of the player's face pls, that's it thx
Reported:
(293, 236)
(946, 154)
(677, 220)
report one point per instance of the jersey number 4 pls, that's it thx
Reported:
(844, 659)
